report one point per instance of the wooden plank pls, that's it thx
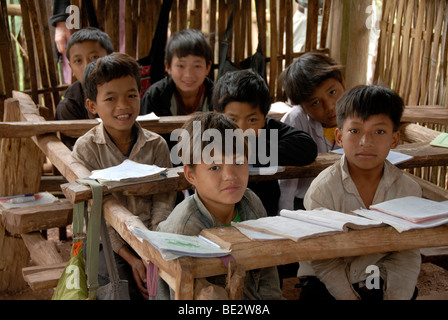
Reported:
(42, 251)
(43, 277)
(36, 218)
(76, 128)
(423, 155)
(260, 254)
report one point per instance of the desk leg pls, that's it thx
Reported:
(184, 280)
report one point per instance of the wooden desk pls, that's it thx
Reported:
(423, 155)
(180, 273)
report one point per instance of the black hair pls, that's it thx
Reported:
(241, 86)
(209, 120)
(90, 34)
(106, 69)
(365, 101)
(188, 42)
(306, 73)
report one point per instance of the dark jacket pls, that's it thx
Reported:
(295, 148)
(158, 97)
(72, 107)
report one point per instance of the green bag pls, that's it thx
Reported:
(72, 284)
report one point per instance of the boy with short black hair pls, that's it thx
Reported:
(187, 89)
(312, 83)
(220, 178)
(112, 85)
(84, 46)
(368, 120)
(243, 96)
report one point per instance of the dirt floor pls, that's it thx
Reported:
(432, 283)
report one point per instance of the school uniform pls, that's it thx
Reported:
(293, 190)
(160, 98)
(334, 189)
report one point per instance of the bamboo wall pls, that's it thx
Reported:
(44, 83)
(412, 59)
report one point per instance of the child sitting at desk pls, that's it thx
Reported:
(221, 196)
(368, 120)
(112, 86)
(243, 96)
(187, 89)
(84, 46)
(313, 83)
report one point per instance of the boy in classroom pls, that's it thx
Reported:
(243, 96)
(187, 89)
(112, 85)
(83, 46)
(312, 83)
(368, 120)
(221, 196)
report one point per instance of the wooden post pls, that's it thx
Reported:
(20, 171)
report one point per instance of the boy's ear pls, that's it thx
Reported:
(395, 139)
(338, 137)
(167, 67)
(91, 106)
(189, 175)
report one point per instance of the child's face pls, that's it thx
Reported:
(321, 106)
(188, 73)
(367, 143)
(117, 104)
(82, 53)
(245, 116)
(219, 185)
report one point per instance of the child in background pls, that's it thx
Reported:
(83, 47)
(112, 85)
(312, 83)
(368, 120)
(243, 96)
(221, 196)
(187, 89)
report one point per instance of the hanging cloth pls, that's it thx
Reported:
(153, 67)
(256, 62)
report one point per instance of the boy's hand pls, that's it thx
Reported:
(138, 269)
(139, 272)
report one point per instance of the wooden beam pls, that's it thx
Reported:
(36, 218)
(423, 155)
(43, 277)
(76, 128)
(42, 251)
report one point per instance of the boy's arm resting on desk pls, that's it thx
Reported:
(295, 147)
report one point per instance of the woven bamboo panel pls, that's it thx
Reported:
(139, 20)
(412, 59)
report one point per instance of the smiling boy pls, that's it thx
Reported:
(368, 120)
(187, 89)
(112, 86)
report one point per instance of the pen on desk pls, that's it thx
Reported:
(20, 198)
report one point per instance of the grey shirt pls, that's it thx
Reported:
(191, 216)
